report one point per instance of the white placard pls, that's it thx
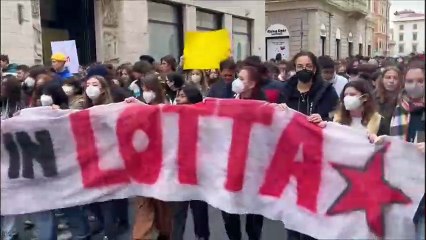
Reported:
(69, 48)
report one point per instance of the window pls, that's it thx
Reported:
(401, 37)
(415, 26)
(401, 27)
(165, 30)
(350, 49)
(380, 45)
(414, 48)
(401, 48)
(207, 21)
(414, 36)
(337, 48)
(241, 38)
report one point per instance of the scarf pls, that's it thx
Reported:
(401, 116)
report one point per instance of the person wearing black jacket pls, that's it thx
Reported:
(223, 87)
(307, 92)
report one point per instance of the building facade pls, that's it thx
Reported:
(338, 28)
(121, 31)
(408, 33)
(381, 27)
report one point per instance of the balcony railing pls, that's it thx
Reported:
(351, 6)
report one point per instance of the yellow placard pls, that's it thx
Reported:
(205, 50)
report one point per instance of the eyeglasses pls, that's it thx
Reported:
(307, 67)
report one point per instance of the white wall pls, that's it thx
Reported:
(17, 40)
(408, 36)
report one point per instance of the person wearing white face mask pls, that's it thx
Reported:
(48, 91)
(358, 109)
(153, 92)
(247, 85)
(74, 91)
(198, 79)
(408, 123)
(97, 92)
(151, 213)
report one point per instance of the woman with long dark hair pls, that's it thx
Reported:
(388, 88)
(10, 96)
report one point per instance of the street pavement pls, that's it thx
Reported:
(272, 230)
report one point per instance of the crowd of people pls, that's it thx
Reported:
(381, 96)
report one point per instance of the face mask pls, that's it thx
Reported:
(68, 90)
(196, 78)
(352, 102)
(46, 100)
(148, 96)
(213, 75)
(414, 90)
(304, 75)
(93, 92)
(29, 82)
(281, 77)
(237, 86)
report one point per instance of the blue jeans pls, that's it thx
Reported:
(77, 221)
(420, 228)
(8, 227)
(45, 225)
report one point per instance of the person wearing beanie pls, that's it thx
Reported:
(118, 93)
(58, 64)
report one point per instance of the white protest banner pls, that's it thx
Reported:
(239, 156)
(68, 48)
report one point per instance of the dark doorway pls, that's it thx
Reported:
(69, 20)
(351, 48)
(337, 48)
(369, 50)
(360, 49)
(322, 46)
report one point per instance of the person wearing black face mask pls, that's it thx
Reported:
(307, 92)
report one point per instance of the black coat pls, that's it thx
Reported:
(221, 89)
(321, 99)
(118, 94)
(54, 89)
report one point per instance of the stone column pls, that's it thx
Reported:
(314, 40)
(133, 30)
(189, 18)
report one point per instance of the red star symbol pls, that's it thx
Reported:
(368, 191)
